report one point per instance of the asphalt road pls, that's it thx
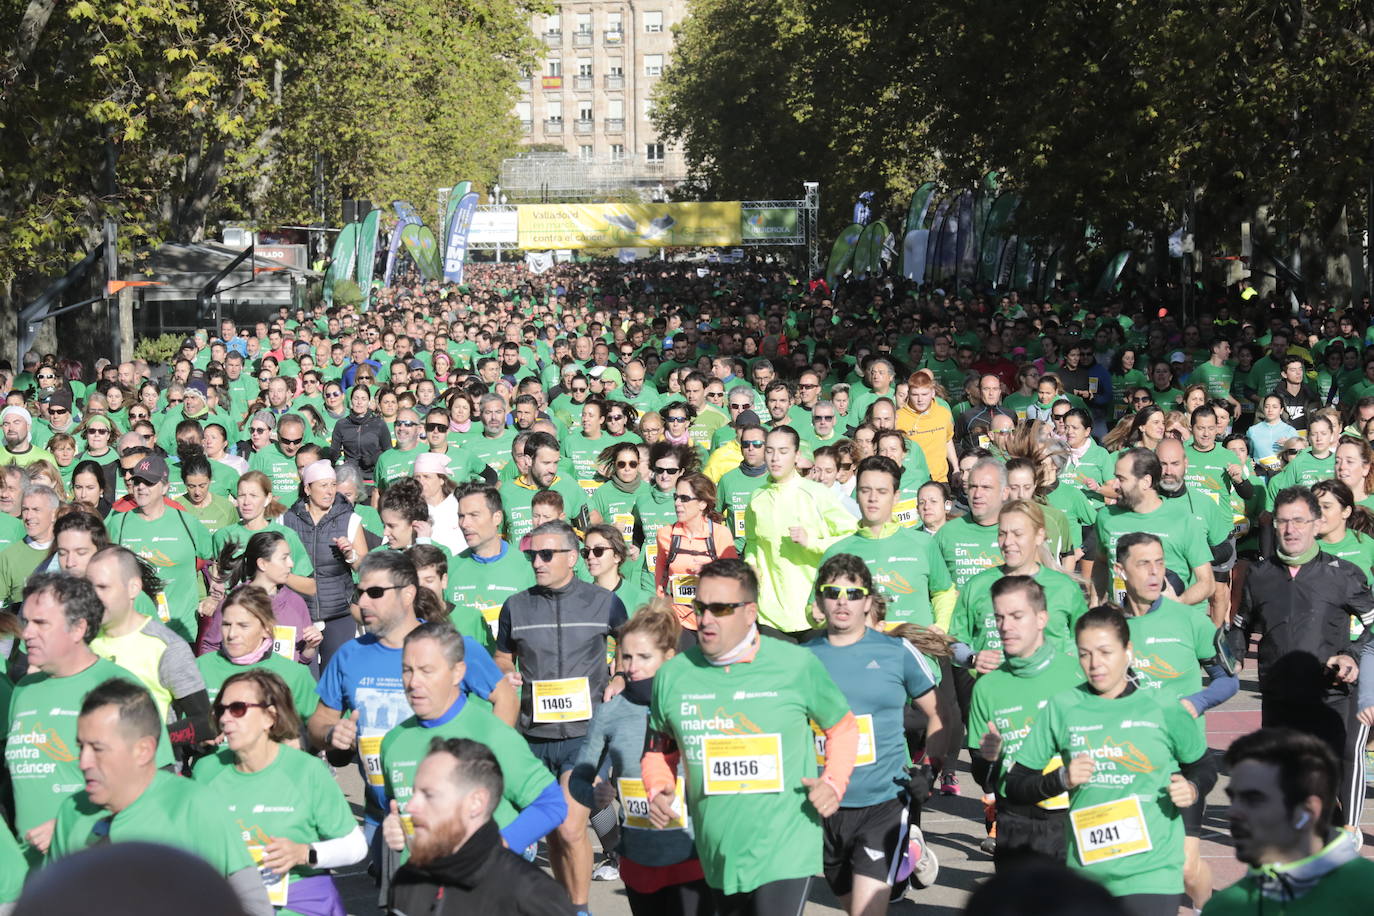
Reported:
(953, 825)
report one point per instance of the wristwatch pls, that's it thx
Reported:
(314, 857)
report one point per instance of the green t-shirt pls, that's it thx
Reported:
(483, 586)
(652, 510)
(17, 563)
(13, 867)
(162, 814)
(1343, 891)
(975, 625)
(1206, 511)
(172, 544)
(216, 669)
(523, 775)
(281, 470)
(1097, 465)
(517, 499)
(395, 463)
(1014, 696)
(1216, 378)
(40, 750)
(967, 548)
(494, 453)
(1355, 547)
(1185, 546)
(905, 564)
(616, 507)
(300, 557)
(11, 530)
(1304, 470)
(582, 453)
(1169, 643)
(1207, 471)
(218, 513)
(295, 797)
(1137, 743)
(737, 726)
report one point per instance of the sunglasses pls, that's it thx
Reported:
(285, 441)
(45, 375)
(138, 416)
(333, 394)
(684, 497)
(579, 391)
(739, 406)
(676, 419)
(615, 418)
(672, 472)
(436, 427)
(623, 465)
(1057, 416)
(407, 423)
(823, 417)
(374, 591)
(588, 552)
(173, 401)
(58, 411)
(546, 555)
(808, 387)
(98, 429)
(238, 710)
(751, 443)
(836, 592)
(718, 608)
(259, 429)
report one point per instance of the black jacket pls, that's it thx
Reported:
(361, 440)
(482, 877)
(1301, 621)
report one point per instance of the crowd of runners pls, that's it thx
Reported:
(717, 564)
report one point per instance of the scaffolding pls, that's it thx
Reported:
(540, 176)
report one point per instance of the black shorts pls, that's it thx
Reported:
(1193, 816)
(1022, 837)
(861, 841)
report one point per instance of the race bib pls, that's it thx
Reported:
(164, 613)
(651, 553)
(626, 523)
(1112, 830)
(492, 615)
(739, 523)
(984, 441)
(276, 887)
(742, 764)
(568, 699)
(905, 514)
(683, 588)
(284, 641)
(370, 747)
(1119, 589)
(588, 486)
(634, 803)
(1059, 802)
(868, 752)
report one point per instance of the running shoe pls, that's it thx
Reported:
(608, 870)
(949, 783)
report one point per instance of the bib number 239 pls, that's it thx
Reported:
(742, 765)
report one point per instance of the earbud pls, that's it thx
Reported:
(1302, 821)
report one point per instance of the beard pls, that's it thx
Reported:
(437, 841)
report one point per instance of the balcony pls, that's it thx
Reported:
(583, 126)
(613, 37)
(553, 39)
(524, 84)
(584, 83)
(614, 81)
(615, 125)
(553, 125)
(582, 39)
(526, 127)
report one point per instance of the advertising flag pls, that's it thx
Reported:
(994, 227)
(342, 260)
(966, 254)
(936, 228)
(455, 195)
(405, 212)
(456, 252)
(868, 253)
(914, 255)
(367, 249)
(842, 253)
(392, 250)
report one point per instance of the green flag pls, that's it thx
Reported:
(342, 259)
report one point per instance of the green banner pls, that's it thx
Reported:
(842, 252)
(993, 237)
(920, 203)
(342, 260)
(367, 251)
(758, 223)
(868, 253)
(455, 194)
(420, 245)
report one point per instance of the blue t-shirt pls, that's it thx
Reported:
(877, 675)
(364, 677)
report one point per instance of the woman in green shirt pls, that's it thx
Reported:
(613, 502)
(1344, 529)
(1126, 375)
(295, 820)
(1131, 763)
(1355, 469)
(607, 556)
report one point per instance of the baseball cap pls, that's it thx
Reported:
(152, 469)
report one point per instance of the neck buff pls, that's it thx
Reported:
(639, 692)
(739, 651)
(1297, 559)
(253, 657)
(1036, 660)
(625, 487)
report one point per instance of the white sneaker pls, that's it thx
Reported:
(607, 871)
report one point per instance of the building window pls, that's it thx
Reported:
(653, 64)
(584, 66)
(613, 22)
(585, 152)
(555, 68)
(617, 152)
(584, 22)
(522, 111)
(653, 21)
(615, 108)
(615, 68)
(554, 110)
(584, 111)
(653, 152)
(553, 25)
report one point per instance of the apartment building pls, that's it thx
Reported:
(592, 93)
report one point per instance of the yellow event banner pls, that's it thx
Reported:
(545, 226)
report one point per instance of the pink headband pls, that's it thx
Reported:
(317, 471)
(431, 463)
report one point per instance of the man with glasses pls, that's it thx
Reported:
(1302, 603)
(16, 422)
(362, 695)
(399, 461)
(821, 430)
(739, 484)
(735, 712)
(55, 416)
(62, 614)
(741, 398)
(556, 632)
(977, 419)
(278, 460)
(808, 394)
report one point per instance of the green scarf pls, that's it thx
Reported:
(1297, 559)
(1031, 664)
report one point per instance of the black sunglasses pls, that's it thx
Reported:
(436, 427)
(593, 551)
(238, 709)
(683, 497)
(374, 591)
(718, 608)
(546, 555)
(676, 419)
(672, 472)
(751, 443)
(285, 441)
